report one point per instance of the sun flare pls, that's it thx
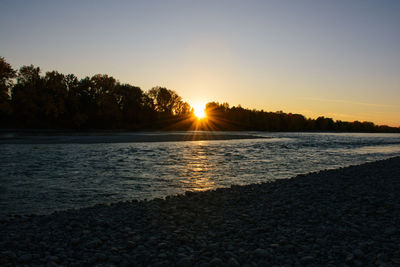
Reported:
(200, 111)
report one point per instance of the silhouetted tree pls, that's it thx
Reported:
(165, 100)
(76, 102)
(182, 108)
(27, 97)
(81, 106)
(7, 73)
(130, 100)
(55, 98)
(324, 124)
(104, 94)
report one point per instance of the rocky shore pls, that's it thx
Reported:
(348, 216)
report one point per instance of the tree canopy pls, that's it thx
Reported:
(29, 99)
(7, 73)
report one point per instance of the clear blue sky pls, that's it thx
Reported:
(338, 59)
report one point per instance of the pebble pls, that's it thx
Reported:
(307, 259)
(232, 262)
(349, 258)
(26, 258)
(8, 254)
(101, 257)
(94, 243)
(131, 244)
(75, 241)
(53, 258)
(162, 245)
(114, 259)
(358, 253)
(259, 252)
(185, 262)
(215, 262)
(390, 231)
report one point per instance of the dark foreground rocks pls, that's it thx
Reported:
(349, 216)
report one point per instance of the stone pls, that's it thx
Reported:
(357, 263)
(26, 258)
(215, 262)
(52, 264)
(162, 245)
(140, 248)
(162, 255)
(307, 259)
(53, 258)
(184, 262)
(131, 244)
(390, 231)
(358, 253)
(101, 257)
(115, 259)
(95, 243)
(9, 254)
(349, 258)
(232, 262)
(259, 252)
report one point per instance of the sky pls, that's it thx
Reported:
(338, 59)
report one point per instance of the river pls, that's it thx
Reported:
(42, 178)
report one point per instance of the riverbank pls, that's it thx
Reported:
(344, 216)
(116, 137)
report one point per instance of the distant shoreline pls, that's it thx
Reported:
(53, 136)
(61, 137)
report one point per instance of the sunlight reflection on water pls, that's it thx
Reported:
(379, 149)
(43, 178)
(198, 166)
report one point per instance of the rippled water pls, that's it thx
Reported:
(48, 177)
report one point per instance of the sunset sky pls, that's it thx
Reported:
(338, 59)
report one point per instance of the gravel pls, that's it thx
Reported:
(346, 217)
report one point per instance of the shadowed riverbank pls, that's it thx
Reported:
(344, 216)
(112, 137)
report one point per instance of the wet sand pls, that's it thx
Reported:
(348, 216)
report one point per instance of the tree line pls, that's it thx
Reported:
(54, 100)
(29, 99)
(238, 118)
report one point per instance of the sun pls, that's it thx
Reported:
(200, 110)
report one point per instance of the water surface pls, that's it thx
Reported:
(41, 178)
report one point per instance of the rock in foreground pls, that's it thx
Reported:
(345, 216)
